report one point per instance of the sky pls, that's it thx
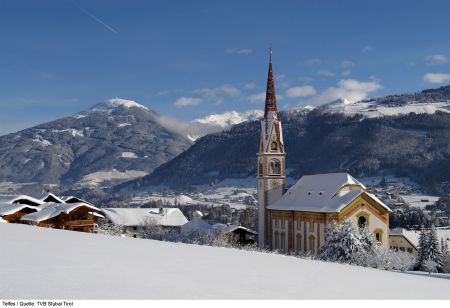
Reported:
(189, 59)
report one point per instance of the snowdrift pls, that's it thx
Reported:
(39, 263)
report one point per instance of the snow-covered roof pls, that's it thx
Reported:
(52, 198)
(329, 193)
(243, 228)
(50, 210)
(196, 224)
(8, 209)
(21, 198)
(73, 199)
(138, 216)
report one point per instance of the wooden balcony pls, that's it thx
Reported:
(80, 223)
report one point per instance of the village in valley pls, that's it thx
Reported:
(311, 188)
(333, 217)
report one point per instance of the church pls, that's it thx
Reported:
(295, 220)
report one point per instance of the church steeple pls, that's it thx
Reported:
(271, 161)
(271, 100)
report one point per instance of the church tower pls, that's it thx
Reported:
(271, 161)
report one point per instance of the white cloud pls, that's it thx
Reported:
(257, 98)
(436, 59)
(367, 48)
(300, 91)
(347, 64)
(213, 92)
(250, 85)
(314, 61)
(326, 73)
(188, 101)
(239, 51)
(436, 78)
(350, 89)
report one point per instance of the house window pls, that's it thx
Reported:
(282, 223)
(276, 223)
(402, 249)
(274, 146)
(283, 237)
(261, 171)
(362, 221)
(275, 167)
(409, 250)
(298, 242)
(299, 225)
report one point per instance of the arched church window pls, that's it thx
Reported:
(312, 241)
(277, 240)
(378, 235)
(282, 240)
(362, 221)
(274, 146)
(298, 242)
(275, 167)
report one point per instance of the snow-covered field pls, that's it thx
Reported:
(41, 263)
(420, 201)
(97, 178)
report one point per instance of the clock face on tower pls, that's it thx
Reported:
(275, 184)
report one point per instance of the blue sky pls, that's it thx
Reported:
(187, 59)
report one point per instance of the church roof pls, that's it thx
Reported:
(328, 193)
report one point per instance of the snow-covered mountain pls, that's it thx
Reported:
(371, 109)
(427, 101)
(115, 140)
(217, 122)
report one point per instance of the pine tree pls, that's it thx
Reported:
(368, 241)
(434, 252)
(422, 249)
(343, 243)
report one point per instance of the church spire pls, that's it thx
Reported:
(271, 100)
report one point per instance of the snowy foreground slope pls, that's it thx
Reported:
(40, 263)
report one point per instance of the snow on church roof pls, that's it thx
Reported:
(138, 216)
(328, 193)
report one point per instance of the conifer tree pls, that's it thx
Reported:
(422, 249)
(433, 251)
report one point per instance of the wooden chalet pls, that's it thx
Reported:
(12, 212)
(242, 235)
(75, 216)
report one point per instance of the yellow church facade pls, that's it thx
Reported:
(298, 220)
(294, 221)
